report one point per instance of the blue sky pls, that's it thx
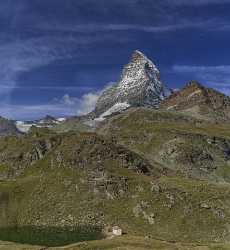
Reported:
(56, 56)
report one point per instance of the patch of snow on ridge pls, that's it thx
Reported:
(61, 119)
(171, 107)
(118, 107)
(195, 93)
(23, 127)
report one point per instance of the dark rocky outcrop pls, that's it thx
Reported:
(7, 127)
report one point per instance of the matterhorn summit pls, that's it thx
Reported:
(139, 85)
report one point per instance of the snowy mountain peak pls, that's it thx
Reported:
(137, 54)
(138, 58)
(139, 85)
(138, 72)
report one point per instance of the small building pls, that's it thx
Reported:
(117, 231)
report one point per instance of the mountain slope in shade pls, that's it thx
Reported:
(200, 102)
(7, 127)
(139, 85)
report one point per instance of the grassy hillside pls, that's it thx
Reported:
(191, 147)
(123, 243)
(138, 243)
(73, 124)
(165, 208)
(157, 175)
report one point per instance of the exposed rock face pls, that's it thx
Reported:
(7, 127)
(48, 120)
(140, 85)
(27, 151)
(199, 101)
(187, 146)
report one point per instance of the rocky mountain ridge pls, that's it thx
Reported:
(199, 101)
(140, 86)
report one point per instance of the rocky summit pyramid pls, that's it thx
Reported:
(139, 85)
(201, 102)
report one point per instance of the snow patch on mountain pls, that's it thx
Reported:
(118, 107)
(195, 93)
(61, 119)
(47, 122)
(24, 127)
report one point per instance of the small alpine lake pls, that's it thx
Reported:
(49, 236)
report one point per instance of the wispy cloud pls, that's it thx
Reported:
(58, 88)
(226, 91)
(212, 74)
(22, 56)
(67, 105)
(31, 112)
(223, 69)
(215, 76)
(132, 27)
(169, 25)
(167, 15)
(198, 2)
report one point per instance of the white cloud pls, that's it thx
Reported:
(83, 105)
(88, 102)
(67, 100)
(65, 106)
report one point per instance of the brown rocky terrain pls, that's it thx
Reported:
(200, 102)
